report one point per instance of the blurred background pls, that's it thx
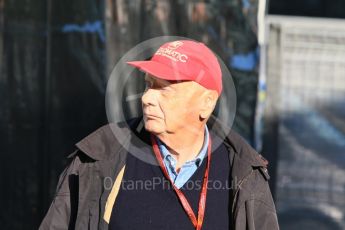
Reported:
(287, 60)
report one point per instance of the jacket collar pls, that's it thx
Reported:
(102, 143)
(234, 141)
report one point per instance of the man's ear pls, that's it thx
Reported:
(209, 100)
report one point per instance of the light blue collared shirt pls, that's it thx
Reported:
(188, 168)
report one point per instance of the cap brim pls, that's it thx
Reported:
(159, 70)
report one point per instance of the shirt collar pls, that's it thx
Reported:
(197, 160)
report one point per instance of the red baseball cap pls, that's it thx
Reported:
(184, 60)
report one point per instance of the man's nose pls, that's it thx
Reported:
(149, 97)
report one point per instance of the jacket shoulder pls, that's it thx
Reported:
(245, 151)
(106, 140)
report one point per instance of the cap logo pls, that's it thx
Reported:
(175, 45)
(170, 52)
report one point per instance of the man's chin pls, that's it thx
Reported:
(154, 127)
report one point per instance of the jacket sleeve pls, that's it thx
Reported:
(260, 209)
(60, 212)
(256, 209)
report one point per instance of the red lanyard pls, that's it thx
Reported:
(202, 201)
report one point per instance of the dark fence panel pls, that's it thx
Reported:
(55, 59)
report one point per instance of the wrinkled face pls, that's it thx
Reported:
(170, 106)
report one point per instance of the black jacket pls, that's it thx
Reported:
(81, 193)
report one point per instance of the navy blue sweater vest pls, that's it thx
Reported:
(147, 201)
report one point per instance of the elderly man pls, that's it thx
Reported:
(184, 82)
